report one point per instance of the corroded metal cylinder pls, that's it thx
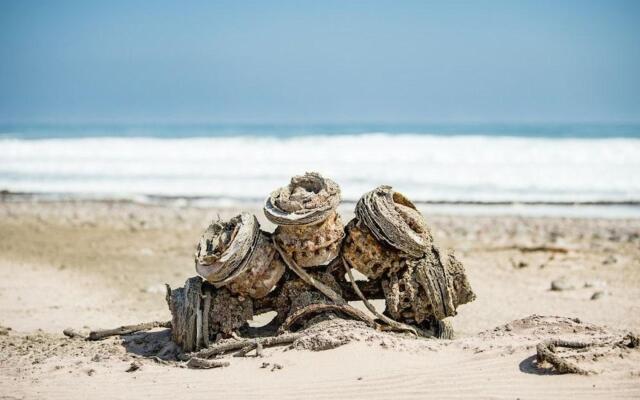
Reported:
(389, 242)
(309, 230)
(237, 255)
(387, 230)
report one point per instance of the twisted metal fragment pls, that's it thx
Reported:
(310, 280)
(546, 352)
(392, 323)
(326, 290)
(312, 309)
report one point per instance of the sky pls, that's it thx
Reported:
(319, 61)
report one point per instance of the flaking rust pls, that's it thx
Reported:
(389, 240)
(243, 270)
(309, 230)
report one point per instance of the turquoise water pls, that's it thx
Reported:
(534, 130)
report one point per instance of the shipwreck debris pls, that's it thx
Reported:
(301, 270)
(303, 273)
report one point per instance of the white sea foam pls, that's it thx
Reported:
(467, 168)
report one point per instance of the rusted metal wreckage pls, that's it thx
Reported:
(304, 268)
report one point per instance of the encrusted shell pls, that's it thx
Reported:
(308, 199)
(367, 255)
(394, 220)
(312, 245)
(236, 254)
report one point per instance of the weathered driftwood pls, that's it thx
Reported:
(528, 249)
(263, 270)
(223, 348)
(184, 304)
(245, 350)
(125, 330)
(206, 306)
(201, 363)
(372, 290)
(312, 245)
(200, 312)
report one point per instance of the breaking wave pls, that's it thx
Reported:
(425, 167)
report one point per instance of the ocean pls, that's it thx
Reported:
(553, 164)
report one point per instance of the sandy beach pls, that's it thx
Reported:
(92, 264)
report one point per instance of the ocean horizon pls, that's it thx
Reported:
(557, 130)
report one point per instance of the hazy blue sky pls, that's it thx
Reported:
(319, 61)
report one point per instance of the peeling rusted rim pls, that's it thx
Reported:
(247, 261)
(378, 211)
(305, 216)
(221, 269)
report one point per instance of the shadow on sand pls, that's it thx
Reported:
(530, 366)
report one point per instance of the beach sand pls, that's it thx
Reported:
(92, 264)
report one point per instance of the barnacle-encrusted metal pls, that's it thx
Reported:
(432, 286)
(388, 241)
(309, 230)
(236, 254)
(387, 230)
